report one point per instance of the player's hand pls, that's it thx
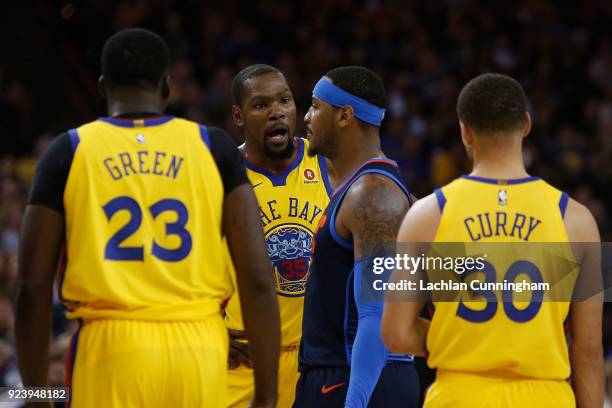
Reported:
(238, 351)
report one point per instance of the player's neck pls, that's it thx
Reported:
(125, 102)
(499, 164)
(257, 157)
(353, 155)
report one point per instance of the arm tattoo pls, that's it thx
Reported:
(378, 211)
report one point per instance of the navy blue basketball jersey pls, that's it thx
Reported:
(330, 317)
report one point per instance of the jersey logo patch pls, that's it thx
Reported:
(290, 250)
(140, 138)
(310, 175)
(502, 197)
(325, 389)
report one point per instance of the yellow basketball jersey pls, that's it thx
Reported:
(290, 205)
(143, 207)
(482, 333)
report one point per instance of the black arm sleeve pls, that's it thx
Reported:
(51, 174)
(228, 158)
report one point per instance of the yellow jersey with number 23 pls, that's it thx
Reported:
(143, 207)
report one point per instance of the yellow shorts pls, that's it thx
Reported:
(134, 363)
(459, 390)
(241, 388)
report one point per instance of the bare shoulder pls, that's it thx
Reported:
(374, 207)
(422, 221)
(374, 188)
(580, 223)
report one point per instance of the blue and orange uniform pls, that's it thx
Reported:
(332, 315)
(514, 350)
(291, 203)
(146, 262)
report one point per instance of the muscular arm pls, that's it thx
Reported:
(586, 351)
(259, 305)
(371, 212)
(42, 237)
(41, 240)
(403, 331)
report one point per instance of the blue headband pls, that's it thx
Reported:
(364, 110)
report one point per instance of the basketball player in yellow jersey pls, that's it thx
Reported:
(142, 202)
(488, 353)
(292, 190)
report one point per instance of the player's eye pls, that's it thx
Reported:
(285, 100)
(260, 105)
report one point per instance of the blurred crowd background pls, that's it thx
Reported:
(424, 51)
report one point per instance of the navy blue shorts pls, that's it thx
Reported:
(398, 386)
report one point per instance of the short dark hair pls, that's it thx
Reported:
(492, 103)
(135, 57)
(252, 71)
(360, 82)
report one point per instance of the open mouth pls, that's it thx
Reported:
(278, 134)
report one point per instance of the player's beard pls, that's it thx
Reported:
(328, 147)
(282, 154)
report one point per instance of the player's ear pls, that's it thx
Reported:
(527, 127)
(101, 87)
(237, 116)
(466, 135)
(165, 86)
(344, 116)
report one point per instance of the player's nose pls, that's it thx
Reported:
(307, 116)
(277, 111)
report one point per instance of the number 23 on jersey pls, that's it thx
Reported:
(114, 249)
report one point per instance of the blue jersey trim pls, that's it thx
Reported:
(496, 181)
(563, 203)
(378, 171)
(132, 122)
(281, 178)
(349, 283)
(392, 177)
(332, 228)
(204, 135)
(325, 175)
(74, 139)
(362, 165)
(441, 199)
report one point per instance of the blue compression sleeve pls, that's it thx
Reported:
(369, 353)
